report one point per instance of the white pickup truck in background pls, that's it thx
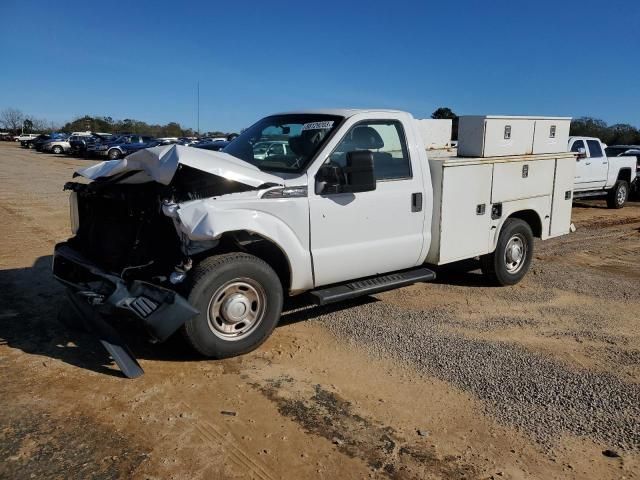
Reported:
(599, 175)
(212, 242)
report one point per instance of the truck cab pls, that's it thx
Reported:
(599, 175)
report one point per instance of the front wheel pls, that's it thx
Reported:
(113, 154)
(57, 150)
(239, 298)
(618, 195)
(512, 257)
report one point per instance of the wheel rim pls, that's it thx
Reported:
(113, 154)
(515, 253)
(621, 195)
(236, 309)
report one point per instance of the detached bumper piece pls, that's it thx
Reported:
(95, 294)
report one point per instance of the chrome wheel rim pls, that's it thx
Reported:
(622, 195)
(515, 253)
(236, 309)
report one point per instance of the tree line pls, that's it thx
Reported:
(15, 121)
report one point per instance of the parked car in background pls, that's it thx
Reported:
(25, 136)
(167, 140)
(39, 145)
(598, 174)
(627, 151)
(79, 143)
(129, 148)
(262, 150)
(113, 149)
(63, 144)
(215, 146)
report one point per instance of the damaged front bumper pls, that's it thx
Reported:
(98, 294)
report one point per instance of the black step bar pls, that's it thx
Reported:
(370, 285)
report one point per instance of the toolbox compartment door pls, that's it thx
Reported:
(525, 179)
(466, 211)
(562, 197)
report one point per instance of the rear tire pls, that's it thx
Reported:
(113, 154)
(618, 195)
(513, 254)
(239, 297)
(57, 150)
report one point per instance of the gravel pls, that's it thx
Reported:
(527, 390)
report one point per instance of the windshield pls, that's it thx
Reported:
(284, 143)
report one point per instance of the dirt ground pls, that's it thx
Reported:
(310, 403)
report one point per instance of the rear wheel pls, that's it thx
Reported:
(239, 297)
(512, 257)
(57, 150)
(618, 195)
(113, 154)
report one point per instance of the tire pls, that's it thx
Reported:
(257, 291)
(30, 146)
(618, 195)
(503, 267)
(57, 150)
(113, 154)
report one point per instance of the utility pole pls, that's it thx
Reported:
(198, 108)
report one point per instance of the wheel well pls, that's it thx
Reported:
(625, 174)
(261, 247)
(532, 218)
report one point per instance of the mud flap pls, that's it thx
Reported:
(108, 337)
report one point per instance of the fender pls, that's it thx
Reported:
(208, 220)
(540, 206)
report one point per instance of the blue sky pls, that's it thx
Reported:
(142, 59)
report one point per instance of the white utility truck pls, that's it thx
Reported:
(211, 242)
(599, 175)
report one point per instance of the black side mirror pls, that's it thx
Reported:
(329, 180)
(359, 172)
(357, 176)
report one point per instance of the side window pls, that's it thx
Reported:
(386, 140)
(577, 145)
(594, 148)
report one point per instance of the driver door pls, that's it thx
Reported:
(355, 235)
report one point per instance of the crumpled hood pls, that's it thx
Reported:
(160, 164)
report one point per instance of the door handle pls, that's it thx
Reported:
(416, 202)
(588, 163)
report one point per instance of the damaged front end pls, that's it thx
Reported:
(127, 258)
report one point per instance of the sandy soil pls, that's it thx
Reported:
(307, 404)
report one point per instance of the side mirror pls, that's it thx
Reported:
(582, 153)
(359, 172)
(357, 176)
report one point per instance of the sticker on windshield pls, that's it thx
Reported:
(318, 125)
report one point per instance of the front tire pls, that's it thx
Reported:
(57, 150)
(618, 195)
(113, 154)
(513, 254)
(239, 298)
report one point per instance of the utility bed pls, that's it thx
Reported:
(474, 194)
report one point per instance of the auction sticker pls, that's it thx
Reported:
(318, 125)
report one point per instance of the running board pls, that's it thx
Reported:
(596, 193)
(370, 285)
